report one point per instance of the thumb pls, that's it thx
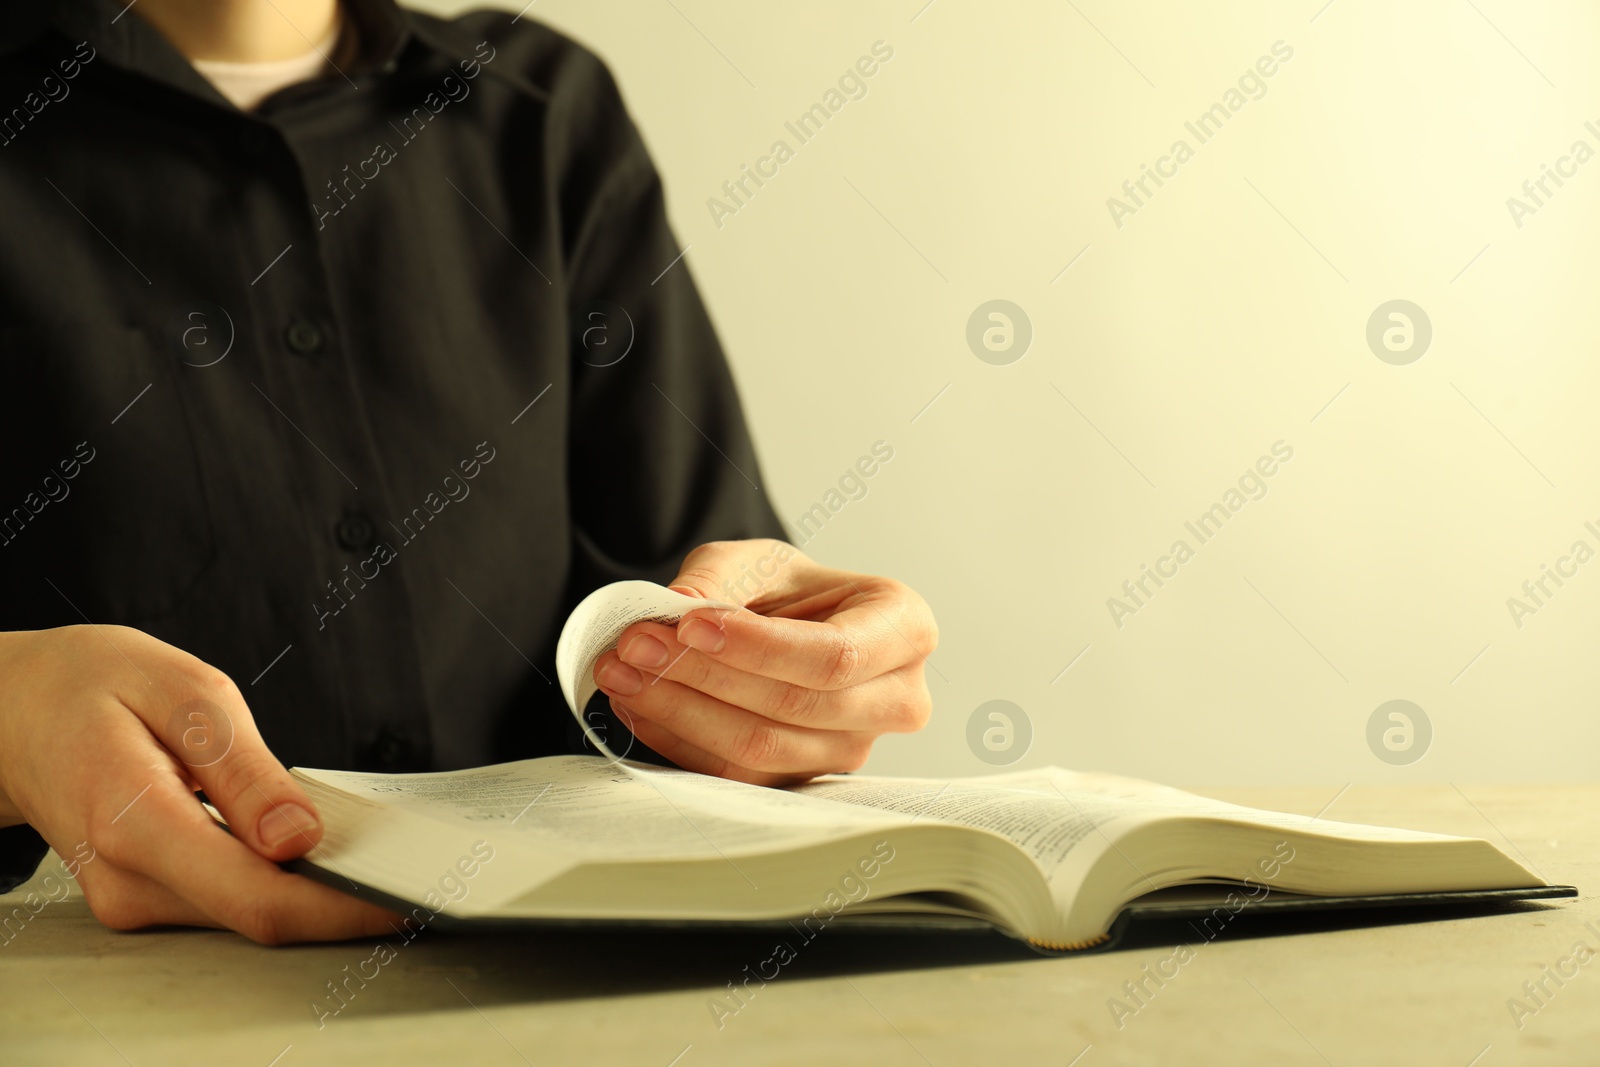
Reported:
(737, 572)
(220, 747)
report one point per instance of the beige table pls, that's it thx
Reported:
(1279, 992)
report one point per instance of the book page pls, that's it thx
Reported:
(1050, 812)
(1046, 823)
(584, 808)
(422, 859)
(1168, 800)
(593, 628)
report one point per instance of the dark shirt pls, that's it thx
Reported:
(354, 396)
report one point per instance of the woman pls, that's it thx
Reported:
(345, 350)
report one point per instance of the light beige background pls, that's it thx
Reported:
(1222, 317)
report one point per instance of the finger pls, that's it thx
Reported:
(125, 900)
(239, 890)
(163, 833)
(202, 719)
(748, 572)
(872, 632)
(743, 737)
(693, 758)
(896, 702)
(775, 580)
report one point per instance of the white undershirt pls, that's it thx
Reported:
(247, 84)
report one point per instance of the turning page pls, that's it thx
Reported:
(593, 628)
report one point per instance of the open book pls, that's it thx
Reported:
(1049, 856)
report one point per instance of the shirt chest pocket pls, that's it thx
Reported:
(102, 491)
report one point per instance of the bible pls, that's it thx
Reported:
(1058, 859)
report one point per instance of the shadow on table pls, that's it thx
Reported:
(1248, 926)
(510, 967)
(507, 967)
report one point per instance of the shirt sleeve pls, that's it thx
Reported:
(661, 458)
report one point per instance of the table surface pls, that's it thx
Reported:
(1351, 989)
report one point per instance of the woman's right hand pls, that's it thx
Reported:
(105, 735)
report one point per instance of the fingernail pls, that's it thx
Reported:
(617, 678)
(700, 634)
(285, 822)
(645, 651)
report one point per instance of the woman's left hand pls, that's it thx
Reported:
(815, 666)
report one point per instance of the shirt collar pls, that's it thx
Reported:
(128, 42)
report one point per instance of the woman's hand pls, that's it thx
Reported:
(105, 734)
(817, 665)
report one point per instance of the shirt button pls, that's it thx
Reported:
(355, 532)
(303, 337)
